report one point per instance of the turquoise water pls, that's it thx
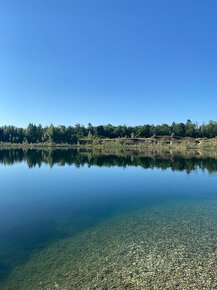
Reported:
(92, 220)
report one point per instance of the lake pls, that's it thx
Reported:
(77, 219)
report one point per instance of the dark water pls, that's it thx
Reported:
(48, 197)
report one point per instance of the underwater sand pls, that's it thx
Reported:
(167, 246)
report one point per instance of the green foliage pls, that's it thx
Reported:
(35, 134)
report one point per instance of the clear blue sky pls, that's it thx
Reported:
(107, 61)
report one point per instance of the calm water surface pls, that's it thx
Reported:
(93, 220)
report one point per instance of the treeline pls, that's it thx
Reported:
(72, 134)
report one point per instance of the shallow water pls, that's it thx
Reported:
(96, 220)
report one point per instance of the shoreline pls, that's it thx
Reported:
(159, 142)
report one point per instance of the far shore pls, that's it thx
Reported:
(166, 142)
